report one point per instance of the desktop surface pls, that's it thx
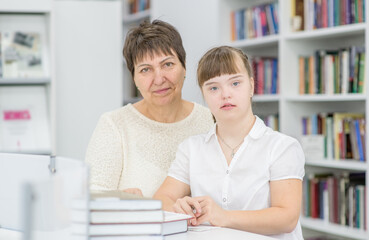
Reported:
(214, 234)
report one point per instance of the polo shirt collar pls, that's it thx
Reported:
(257, 130)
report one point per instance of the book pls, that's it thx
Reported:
(173, 223)
(22, 55)
(116, 216)
(24, 121)
(118, 200)
(138, 237)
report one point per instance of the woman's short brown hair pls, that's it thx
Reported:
(219, 61)
(153, 38)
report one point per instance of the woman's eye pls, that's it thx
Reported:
(236, 83)
(143, 70)
(168, 64)
(213, 88)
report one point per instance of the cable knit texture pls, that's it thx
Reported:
(129, 150)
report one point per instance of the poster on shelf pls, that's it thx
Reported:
(24, 122)
(21, 55)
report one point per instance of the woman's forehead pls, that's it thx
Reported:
(151, 55)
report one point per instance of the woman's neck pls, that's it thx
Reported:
(169, 113)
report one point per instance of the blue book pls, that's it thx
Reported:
(274, 75)
(359, 142)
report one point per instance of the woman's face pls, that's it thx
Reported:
(160, 78)
(229, 96)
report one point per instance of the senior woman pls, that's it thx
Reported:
(132, 147)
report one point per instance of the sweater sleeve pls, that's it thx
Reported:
(105, 155)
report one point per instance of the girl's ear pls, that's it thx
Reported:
(252, 83)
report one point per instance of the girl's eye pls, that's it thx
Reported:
(213, 88)
(236, 83)
(168, 64)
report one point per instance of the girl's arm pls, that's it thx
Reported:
(281, 217)
(175, 197)
(170, 191)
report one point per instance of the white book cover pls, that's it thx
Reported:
(24, 122)
(22, 55)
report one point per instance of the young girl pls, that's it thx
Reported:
(241, 174)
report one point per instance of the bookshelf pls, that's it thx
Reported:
(132, 18)
(290, 106)
(31, 75)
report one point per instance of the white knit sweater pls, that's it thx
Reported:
(129, 150)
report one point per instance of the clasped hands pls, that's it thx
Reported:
(203, 209)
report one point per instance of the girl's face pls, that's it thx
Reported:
(229, 96)
(160, 79)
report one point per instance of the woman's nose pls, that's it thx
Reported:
(158, 77)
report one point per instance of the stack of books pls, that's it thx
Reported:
(120, 215)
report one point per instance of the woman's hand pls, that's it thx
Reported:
(189, 206)
(135, 191)
(210, 212)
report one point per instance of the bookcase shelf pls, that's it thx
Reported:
(271, 40)
(23, 81)
(334, 229)
(30, 99)
(328, 98)
(266, 98)
(21, 6)
(338, 164)
(321, 33)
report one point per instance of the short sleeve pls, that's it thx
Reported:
(288, 160)
(104, 155)
(180, 166)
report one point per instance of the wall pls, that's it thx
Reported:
(88, 69)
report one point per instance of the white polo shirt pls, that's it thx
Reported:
(265, 155)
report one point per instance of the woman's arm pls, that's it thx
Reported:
(281, 217)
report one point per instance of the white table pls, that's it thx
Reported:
(213, 234)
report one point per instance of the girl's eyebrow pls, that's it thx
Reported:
(208, 83)
(231, 78)
(236, 76)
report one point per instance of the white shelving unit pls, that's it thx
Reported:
(34, 16)
(291, 106)
(129, 21)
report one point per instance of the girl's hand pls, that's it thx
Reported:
(135, 191)
(189, 206)
(210, 212)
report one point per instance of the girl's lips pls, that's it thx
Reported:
(228, 106)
